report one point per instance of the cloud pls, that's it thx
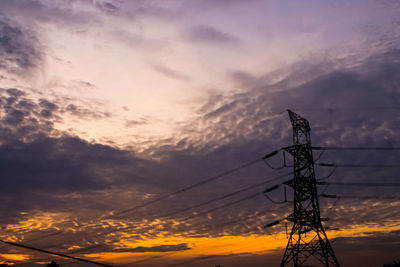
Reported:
(242, 78)
(170, 73)
(19, 49)
(106, 7)
(62, 13)
(45, 163)
(209, 34)
(345, 106)
(82, 112)
(230, 131)
(160, 248)
(57, 172)
(133, 123)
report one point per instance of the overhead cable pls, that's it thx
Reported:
(354, 148)
(202, 182)
(359, 197)
(359, 165)
(54, 253)
(223, 206)
(360, 184)
(225, 196)
(206, 203)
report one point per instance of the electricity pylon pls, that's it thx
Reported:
(308, 244)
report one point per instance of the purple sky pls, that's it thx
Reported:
(108, 104)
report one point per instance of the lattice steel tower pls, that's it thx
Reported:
(308, 244)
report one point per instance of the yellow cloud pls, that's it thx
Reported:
(15, 257)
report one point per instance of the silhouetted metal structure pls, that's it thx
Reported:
(308, 244)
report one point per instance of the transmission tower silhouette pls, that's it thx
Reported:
(308, 244)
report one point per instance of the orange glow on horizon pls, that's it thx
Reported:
(225, 245)
(257, 244)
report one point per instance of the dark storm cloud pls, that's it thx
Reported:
(19, 49)
(209, 34)
(41, 162)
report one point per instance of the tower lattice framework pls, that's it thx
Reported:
(308, 244)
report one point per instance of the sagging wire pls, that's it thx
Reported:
(265, 193)
(330, 209)
(277, 168)
(319, 156)
(361, 197)
(325, 183)
(54, 253)
(190, 187)
(322, 164)
(274, 223)
(328, 176)
(355, 148)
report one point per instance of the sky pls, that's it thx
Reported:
(109, 104)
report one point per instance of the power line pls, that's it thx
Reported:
(210, 179)
(223, 206)
(203, 212)
(330, 109)
(359, 165)
(203, 204)
(355, 148)
(210, 210)
(225, 196)
(205, 181)
(289, 182)
(347, 108)
(243, 219)
(206, 212)
(195, 206)
(360, 184)
(359, 197)
(54, 253)
(181, 251)
(44, 236)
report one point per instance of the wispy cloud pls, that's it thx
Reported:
(170, 73)
(211, 35)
